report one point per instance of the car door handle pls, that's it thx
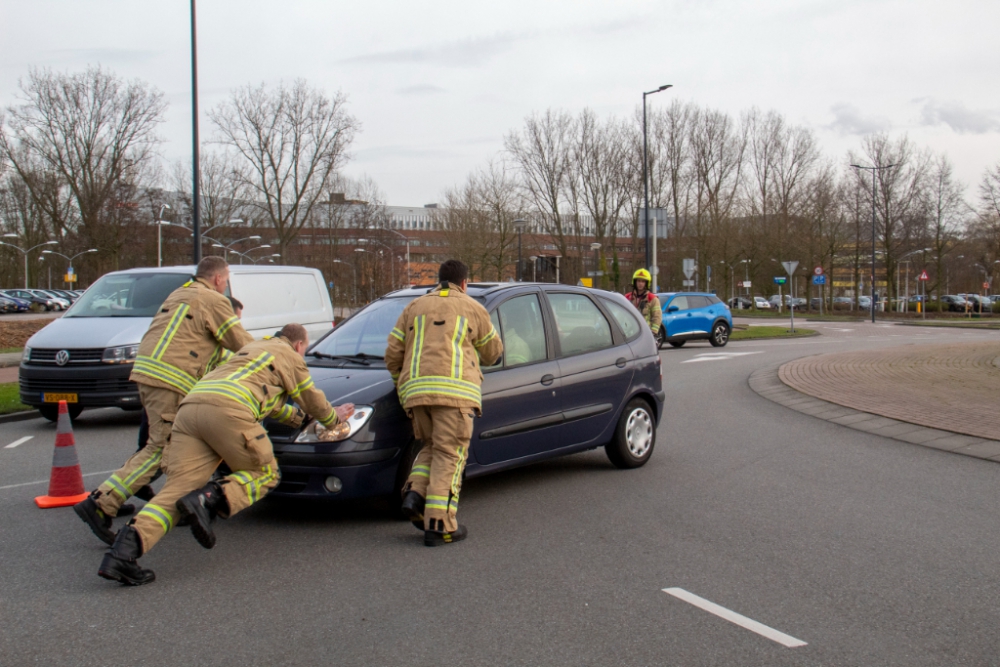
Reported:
(620, 362)
(548, 379)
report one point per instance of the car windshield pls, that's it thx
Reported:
(127, 295)
(366, 333)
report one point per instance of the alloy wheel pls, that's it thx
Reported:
(639, 432)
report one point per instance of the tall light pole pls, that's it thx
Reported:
(645, 169)
(53, 252)
(195, 142)
(229, 246)
(159, 234)
(25, 253)
(534, 266)
(409, 278)
(519, 225)
(596, 247)
(873, 170)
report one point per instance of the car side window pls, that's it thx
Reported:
(625, 318)
(582, 327)
(698, 302)
(523, 330)
(681, 302)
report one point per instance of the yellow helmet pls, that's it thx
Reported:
(642, 274)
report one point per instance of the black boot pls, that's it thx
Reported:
(120, 562)
(98, 521)
(200, 508)
(413, 508)
(437, 538)
(145, 492)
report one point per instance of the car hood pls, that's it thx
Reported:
(91, 332)
(362, 385)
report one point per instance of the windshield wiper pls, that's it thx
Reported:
(359, 358)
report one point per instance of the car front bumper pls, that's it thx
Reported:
(306, 472)
(95, 386)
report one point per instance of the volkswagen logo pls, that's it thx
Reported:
(62, 357)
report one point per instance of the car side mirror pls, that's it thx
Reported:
(672, 309)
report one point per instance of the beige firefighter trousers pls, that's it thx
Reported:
(437, 471)
(204, 436)
(161, 407)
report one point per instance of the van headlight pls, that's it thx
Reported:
(120, 355)
(316, 432)
(26, 355)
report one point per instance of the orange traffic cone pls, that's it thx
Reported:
(66, 481)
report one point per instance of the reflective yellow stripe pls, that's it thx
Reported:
(487, 338)
(301, 387)
(170, 331)
(444, 292)
(165, 372)
(158, 514)
(457, 355)
(118, 487)
(436, 502)
(398, 334)
(153, 460)
(329, 419)
(230, 390)
(225, 327)
(259, 362)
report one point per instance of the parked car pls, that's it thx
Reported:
(7, 305)
(39, 301)
(66, 294)
(761, 303)
(954, 303)
(740, 303)
(864, 302)
(843, 303)
(977, 303)
(591, 378)
(694, 316)
(86, 356)
(61, 301)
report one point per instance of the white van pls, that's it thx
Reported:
(85, 357)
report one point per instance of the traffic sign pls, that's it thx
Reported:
(688, 283)
(595, 273)
(790, 267)
(746, 283)
(986, 285)
(819, 280)
(780, 280)
(69, 278)
(69, 271)
(923, 276)
(818, 271)
(689, 267)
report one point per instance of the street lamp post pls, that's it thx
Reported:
(873, 170)
(596, 247)
(519, 225)
(70, 270)
(227, 248)
(159, 234)
(645, 170)
(25, 253)
(195, 142)
(409, 277)
(534, 265)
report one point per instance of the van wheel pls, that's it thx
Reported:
(51, 412)
(677, 343)
(634, 437)
(720, 335)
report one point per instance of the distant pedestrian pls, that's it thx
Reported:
(645, 301)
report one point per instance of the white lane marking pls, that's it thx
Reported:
(733, 617)
(45, 481)
(19, 442)
(719, 356)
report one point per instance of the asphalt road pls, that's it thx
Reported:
(868, 550)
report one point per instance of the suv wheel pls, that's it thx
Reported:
(634, 437)
(661, 337)
(720, 335)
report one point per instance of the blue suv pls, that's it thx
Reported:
(694, 316)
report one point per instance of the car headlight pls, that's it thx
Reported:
(26, 356)
(120, 355)
(316, 432)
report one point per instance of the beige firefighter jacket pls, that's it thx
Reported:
(435, 349)
(259, 378)
(650, 308)
(186, 337)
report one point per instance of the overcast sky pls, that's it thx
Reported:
(436, 85)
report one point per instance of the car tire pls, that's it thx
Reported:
(634, 437)
(661, 337)
(720, 335)
(51, 412)
(677, 343)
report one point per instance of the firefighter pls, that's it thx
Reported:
(645, 301)
(219, 420)
(433, 355)
(191, 329)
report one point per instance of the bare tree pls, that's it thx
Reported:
(223, 190)
(946, 210)
(92, 131)
(294, 139)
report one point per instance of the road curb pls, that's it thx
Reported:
(19, 416)
(766, 383)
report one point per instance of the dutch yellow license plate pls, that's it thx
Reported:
(55, 398)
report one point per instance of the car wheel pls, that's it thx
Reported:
(720, 335)
(677, 343)
(661, 337)
(51, 412)
(634, 437)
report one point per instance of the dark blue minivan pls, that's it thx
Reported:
(580, 370)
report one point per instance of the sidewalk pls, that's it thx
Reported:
(950, 387)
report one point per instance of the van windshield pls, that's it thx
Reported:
(127, 295)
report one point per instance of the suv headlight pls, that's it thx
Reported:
(26, 356)
(316, 432)
(120, 355)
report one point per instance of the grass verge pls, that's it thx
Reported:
(963, 324)
(10, 400)
(756, 333)
(6, 350)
